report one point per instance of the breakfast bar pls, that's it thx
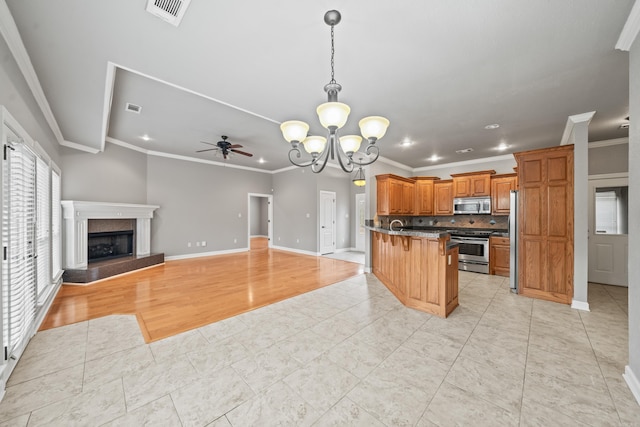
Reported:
(419, 267)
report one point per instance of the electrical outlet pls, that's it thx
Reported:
(188, 244)
(297, 240)
(197, 243)
(278, 238)
(239, 215)
(204, 243)
(235, 240)
(308, 215)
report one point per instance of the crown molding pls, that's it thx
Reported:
(465, 163)
(609, 142)
(77, 146)
(11, 35)
(630, 30)
(572, 121)
(396, 164)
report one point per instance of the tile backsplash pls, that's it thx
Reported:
(492, 222)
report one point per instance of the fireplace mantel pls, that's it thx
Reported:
(76, 215)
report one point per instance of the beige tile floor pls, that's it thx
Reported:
(347, 354)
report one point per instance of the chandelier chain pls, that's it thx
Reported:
(333, 80)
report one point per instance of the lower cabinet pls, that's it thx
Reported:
(421, 272)
(499, 256)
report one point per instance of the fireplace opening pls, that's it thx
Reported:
(109, 244)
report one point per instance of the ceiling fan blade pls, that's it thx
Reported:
(235, 146)
(244, 153)
(209, 143)
(208, 149)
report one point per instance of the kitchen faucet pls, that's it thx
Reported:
(394, 221)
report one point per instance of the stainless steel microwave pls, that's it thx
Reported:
(472, 205)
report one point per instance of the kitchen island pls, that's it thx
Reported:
(419, 267)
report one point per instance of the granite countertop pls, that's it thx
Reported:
(404, 231)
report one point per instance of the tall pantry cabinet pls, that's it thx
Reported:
(545, 223)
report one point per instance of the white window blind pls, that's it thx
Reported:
(43, 236)
(18, 229)
(56, 224)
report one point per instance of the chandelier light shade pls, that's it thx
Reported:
(333, 115)
(358, 178)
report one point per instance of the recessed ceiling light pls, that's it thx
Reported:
(145, 137)
(464, 150)
(406, 142)
(503, 146)
(434, 158)
(492, 126)
(624, 126)
(261, 160)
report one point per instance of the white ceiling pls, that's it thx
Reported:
(439, 70)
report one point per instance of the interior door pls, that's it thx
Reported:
(327, 222)
(360, 216)
(608, 231)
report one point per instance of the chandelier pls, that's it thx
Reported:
(333, 115)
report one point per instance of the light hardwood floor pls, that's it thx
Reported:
(185, 294)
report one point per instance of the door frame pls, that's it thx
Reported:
(616, 179)
(333, 219)
(357, 222)
(269, 198)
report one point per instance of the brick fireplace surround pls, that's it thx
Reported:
(81, 218)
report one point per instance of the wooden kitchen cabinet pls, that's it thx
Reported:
(472, 184)
(420, 271)
(545, 221)
(394, 195)
(499, 256)
(501, 187)
(424, 195)
(443, 197)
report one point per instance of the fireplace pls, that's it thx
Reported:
(109, 245)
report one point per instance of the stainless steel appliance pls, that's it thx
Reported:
(513, 241)
(472, 205)
(473, 247)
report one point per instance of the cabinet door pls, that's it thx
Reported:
(500, 190)
(423, 198)
(545, 215)
(443, 198)
(382, 196)
(462, 187)
(408, 192)
(480, 185)
(395, 196)
(499, 256)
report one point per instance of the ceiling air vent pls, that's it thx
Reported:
(170, 11)
(133, 108)
(465, 150)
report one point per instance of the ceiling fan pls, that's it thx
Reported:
(225, 147)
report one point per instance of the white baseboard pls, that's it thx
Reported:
(298, 251)
(580, 305)
(203, 254)
(258, 235)
(632, 382)
(367, 269)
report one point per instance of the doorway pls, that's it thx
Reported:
(360, 217)
(608, 231)
(327, 230)
(260, 217)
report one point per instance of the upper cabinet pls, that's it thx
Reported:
(501, 187)
(443, 197)
(394, 195)
(472, 184)
(424, 195)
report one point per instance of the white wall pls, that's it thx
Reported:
(634, 226)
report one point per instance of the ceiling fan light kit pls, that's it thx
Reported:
(333, 115)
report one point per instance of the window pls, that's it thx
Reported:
(612, 210)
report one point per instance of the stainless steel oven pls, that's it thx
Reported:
(473, 253)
